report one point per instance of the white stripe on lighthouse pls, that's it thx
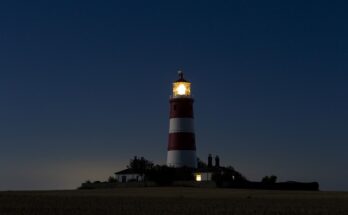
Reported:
(181, 125)
(180, 158)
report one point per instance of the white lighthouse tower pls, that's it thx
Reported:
(181, 142)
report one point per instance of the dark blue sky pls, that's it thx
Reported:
(84, 86)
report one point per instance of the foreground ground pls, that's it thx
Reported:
(172, 201)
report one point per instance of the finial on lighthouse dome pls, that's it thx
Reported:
(181, 74)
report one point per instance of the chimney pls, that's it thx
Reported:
(210, 161)
(217, 161)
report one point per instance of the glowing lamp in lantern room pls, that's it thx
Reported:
(181, 87)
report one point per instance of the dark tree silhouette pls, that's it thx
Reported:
(269, 179)
(112, 179)
(201, 164)
(228, 175)
(140, 165)
(164, 175)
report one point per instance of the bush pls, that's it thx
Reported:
(269, 179)
(112, 180)
(164, 175)
(227, 175)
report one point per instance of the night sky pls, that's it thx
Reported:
(85, 85)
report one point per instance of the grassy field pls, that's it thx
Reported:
(174, 200)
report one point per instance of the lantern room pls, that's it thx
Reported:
(181, 87)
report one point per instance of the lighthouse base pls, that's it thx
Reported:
(182, 158)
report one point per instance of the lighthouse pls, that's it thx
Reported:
(181, 141)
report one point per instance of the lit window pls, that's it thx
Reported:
(198, 177)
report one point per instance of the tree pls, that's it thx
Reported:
(201, 164)
(269, 179)
(112, 179)
(229, 176)
(140, 165)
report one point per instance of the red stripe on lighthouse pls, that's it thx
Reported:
(181, 141)
(181, 108)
